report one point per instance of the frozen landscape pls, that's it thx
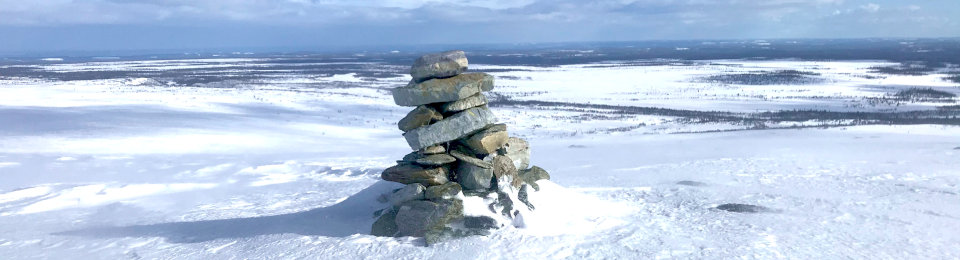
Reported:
(673, 150)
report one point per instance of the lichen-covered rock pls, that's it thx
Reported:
(435, 160)
(505, 172)
(446, 191)
(386, 225)
(442, 90)
(420, 116)
(416, 218)
(410, 173)
(518, 150)
(439, 65)
(470, 102)
(534, 174)
(413, 191)
(488, 140)
(452, 128)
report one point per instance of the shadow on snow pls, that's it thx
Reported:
(351, 216)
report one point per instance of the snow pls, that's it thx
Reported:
(123, 168)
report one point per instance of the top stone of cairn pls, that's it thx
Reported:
(439, 65)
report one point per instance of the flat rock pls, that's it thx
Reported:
(470, 102)
(518, 150)
(461, 148)
(691, 183)
(416, 218)
(439, 65)
(745, 208)
(420, 116)
(410, 173)
(413, 191)
(435, 160)
(452, 128)
(442, 90)
(411, 157)
(469, 159)
(448, 190)
(488, 140)
(433, 149)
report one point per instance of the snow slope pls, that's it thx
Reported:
(112, 169)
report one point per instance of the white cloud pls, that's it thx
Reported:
(871, 7)
(504, 18)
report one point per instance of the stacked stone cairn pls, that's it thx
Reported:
(460, 154)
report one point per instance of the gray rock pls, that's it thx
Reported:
(386, 225)
(442, 90)
(435, 160)
(745, 208)
(692, 183)
(413, 191)
(468, 159)
(473, 177)
(409, 173)
(477, 193)
(505, 204)
(416, 218)
(435, 236)
(452, 128)
(434, 149)
(488, 140)
(420, 116)
(446, 191)
(461, 148)
(439, 65)
(470, 102)
(472, 173)
(518, 150)
(480, 222)
(523, 196)
(411, 157)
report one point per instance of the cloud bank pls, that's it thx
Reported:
(223, 23)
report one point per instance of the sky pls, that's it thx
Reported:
(63, 25)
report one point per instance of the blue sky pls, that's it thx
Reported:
(57, 25)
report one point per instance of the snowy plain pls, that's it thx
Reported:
(287, 166)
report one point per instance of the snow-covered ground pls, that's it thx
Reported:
(288, 166)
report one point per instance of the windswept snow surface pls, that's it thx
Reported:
(287, 166)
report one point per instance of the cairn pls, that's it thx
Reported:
(460, 154)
